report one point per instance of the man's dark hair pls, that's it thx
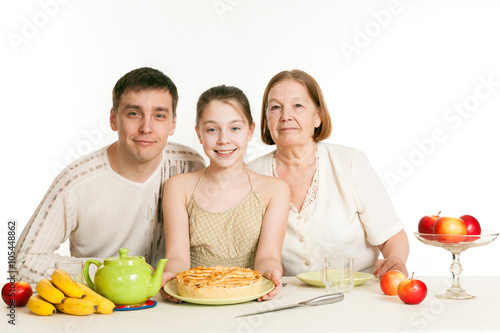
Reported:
(144, 78)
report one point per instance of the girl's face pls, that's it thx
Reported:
(224, 133)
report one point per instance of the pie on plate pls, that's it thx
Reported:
(171, 289)
(218, 282)
(314, 278)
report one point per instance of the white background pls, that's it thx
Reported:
(393, 73)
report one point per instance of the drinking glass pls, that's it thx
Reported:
(337, 273)
(73, 267)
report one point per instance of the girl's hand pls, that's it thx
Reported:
(275, 277)
(167, 276)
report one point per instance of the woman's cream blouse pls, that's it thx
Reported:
(350, 212)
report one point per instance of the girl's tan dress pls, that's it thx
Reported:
(227, 238)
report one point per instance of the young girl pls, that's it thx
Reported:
(225, 214)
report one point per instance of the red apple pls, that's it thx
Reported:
(17, 293)
(473, 227)
(412, 291)
(454, 229)
(390, 281)
(426, 225)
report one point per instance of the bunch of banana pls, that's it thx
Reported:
(46, 289)
(48, 295)
(63, 281)
(40, 306)
(67, 296)
(77, 306)
(104, 305)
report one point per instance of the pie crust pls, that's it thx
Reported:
(218, 282)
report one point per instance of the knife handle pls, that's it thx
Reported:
(324, 299)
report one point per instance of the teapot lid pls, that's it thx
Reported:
(125, 259)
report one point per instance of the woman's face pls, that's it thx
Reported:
(291, 114)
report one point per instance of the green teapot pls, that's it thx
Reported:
(125, 280)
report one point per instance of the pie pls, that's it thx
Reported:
(218, 282)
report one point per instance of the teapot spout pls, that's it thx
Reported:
(154, 284)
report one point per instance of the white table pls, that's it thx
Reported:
(364, 309)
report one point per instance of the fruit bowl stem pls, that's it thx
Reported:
(455, 291)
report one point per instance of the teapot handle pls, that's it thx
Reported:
(86, 271)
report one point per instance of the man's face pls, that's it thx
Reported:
(144, 120)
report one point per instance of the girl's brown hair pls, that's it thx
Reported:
(227, 94)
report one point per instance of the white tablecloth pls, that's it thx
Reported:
(364, 309)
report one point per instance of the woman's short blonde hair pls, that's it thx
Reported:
(324, 130)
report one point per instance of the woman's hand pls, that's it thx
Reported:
(167, 276)
(392, 263)
(275, 277)
(395, 251)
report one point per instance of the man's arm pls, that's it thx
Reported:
(183, 159)
(47, 229)
(35, 249)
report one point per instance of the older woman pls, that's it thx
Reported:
(338, 203)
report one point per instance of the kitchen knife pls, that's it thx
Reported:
(321, 300)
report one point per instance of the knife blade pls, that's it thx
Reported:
(321, 300)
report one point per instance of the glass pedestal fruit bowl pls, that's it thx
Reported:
(456, 245)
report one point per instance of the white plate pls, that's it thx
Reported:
(171, 289)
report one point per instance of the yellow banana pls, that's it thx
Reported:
(104, 305)
(49, 292)
(77, 306)
(39, 306)
(63, 281)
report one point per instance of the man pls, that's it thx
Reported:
(112, 198)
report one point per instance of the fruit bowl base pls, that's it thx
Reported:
(455, 293)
